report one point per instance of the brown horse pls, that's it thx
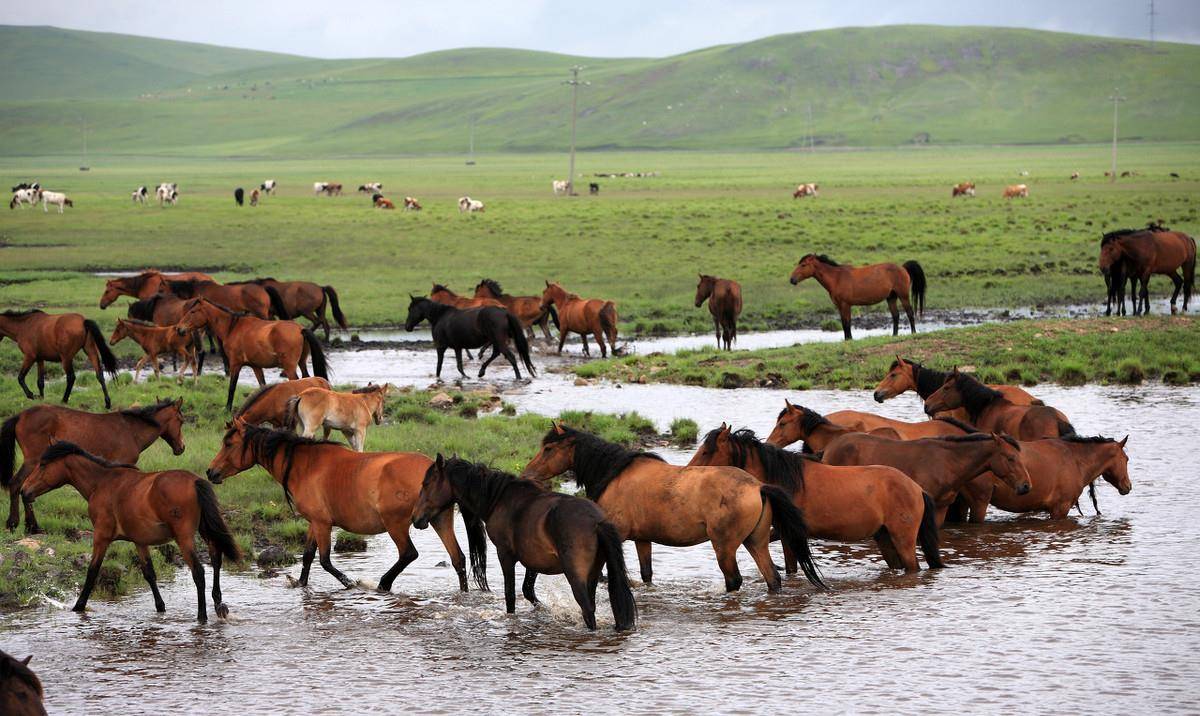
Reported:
(159, 340)
(990, 411)
(57, 337)
(145, 508)
(649, 501)
(583, 316)
(1064, 467)
(330, 486)
(350, 413)
(161, 309)
(258, 301)
(905, 375)
(546, 531)
(941, 466)
(724, 303)
(20, 689)
(847, 504)
(269, 403)
(257, 343)
(307, 299)
(528, 309)
(1148, 252)
(866, 285)
(145, 284)
(796, 422)
(441, 294)
(119, 436)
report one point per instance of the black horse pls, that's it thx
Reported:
(548, 532)
(471, 328)
(1115, 277)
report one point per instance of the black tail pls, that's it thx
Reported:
(927, 535)
(477, 542)
(106, 355)
(291, 413)
(916, 275)
(277, 308)
(623, 607)
(789, 521)
(8, 449)
(212, 526)
(517, 333)
(320, 369)
(553, 316)
(332, 297)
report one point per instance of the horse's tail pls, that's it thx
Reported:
(198, 350)
(277, 308)
(320, 369)
(517, 331)
(553, 316)
(8, 449)
(916, 275)
(927, 534)
(334, 306)
(623, 606)
(106, 355)
(608, 321)
(291, 413)
(212, 526)
(477, 543)
(787, 519)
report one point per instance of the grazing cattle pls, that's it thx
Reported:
(560, 186)
(319, 187)
(1074, 176)
(167, 194)
(25, 196)
(593, 188)
(803, 190)
(268, 187)
(383, 203)
(966, 188)
(333, 189)
(238, 195)
(1024, 172)
(254, 198)
(371, 188)
(27, 185)
(54, 197)
(469, 205)
(140, 195)
(411, 204)
(1016, 190)
(1174, 175)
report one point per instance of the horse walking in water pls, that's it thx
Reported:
(160, 340)
(258, 301)
(269, 404)
(350, 413)
(583, 316)
(649, 501)
(121, 437)
(1064, 467)
(527, 309)
(21, 691)
(1148, 252)
(144, 285)
(850, 286)
(724, 303)
(145, 508)
(471, 328)
(330, 486)
(906, 375)
(991, 412)
(58, 337)
(305, 298)
(796, 422)
(546, 531)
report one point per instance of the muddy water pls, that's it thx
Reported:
(1096, 609)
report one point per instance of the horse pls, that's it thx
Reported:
(582, 316)
(469, 205)
(1014, 191)
(866, 285)
(804, 190)
(144, 285)
(941, 466)
(846, 504)
(253, 342)
(904, 375)
(58, 337)
(307, 299)
(370, 187)
(560, 186)
(411, 204)
(384, 203)
(140, 195)
(268, 186)
(269, 403)
(121, 436)
(441, 294)
(167, 194)
(546, 531)
(154, 340)
(593, 188)
(350, 413)
(21, 691)
(1115, 274)
(649, 501)
(724, 298)
(254, 196)
(239, 195)
(1064, 467)
(319, 187)
(1074, 175)
(990, 411)
(331, 486)
(965, 188)
(332, 189)
(57, 198)
(258, 301)
(471, 328)
(796, 422)
(1150, 252)
(145, 508)
(527, 309)
(25, 196)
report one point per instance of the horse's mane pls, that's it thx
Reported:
(367, 389)
(1114, 235)
(927, 379)
(23, 313)
(59, 450)
(810, 419)
(146, 412)
(781, 467)
(143, 309)
(975, 395)
(975, 437)
(439, 287)
(493, 286)
(255, 396)
(255, 281)
(1156, 225)
(13, 668)
(1072, 438)
(597, 461)
(183, 288)
(267, 443)
(965, 427)
(823, 259)
(140, 322)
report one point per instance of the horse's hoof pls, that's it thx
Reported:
(222, 611)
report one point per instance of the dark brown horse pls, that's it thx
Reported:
(796, 422)
(145, 284)
(145, 508)
(269, 404)
(847, 504)
(471, 328)
(528, 309)
(258, 301)
(1116, 273)
(905, 375)
(583, 316)
(20, 689)
(547, 532)
(989, 411)
(257, 343)
(724, 303)
(305, 298)
(162, 309)
(649, 501)
(119, 436)
(1064, 467)
(332, 486)
(1148, 252)
(57, 337)
(850, 286)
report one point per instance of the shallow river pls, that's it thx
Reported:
(1096, 612)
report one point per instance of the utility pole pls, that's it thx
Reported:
(1116, 99)
(471, 150)
(1151, 14)
(810, 128)
(574, 82)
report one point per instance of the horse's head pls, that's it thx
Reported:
(715, 449)
(1006, 464)
(947, 397)
(901, 377)
(20, 689)
(1110, 255)
(112, 290)
(436, 494)
(1116, 470)
(52, 471)
(119, 333)
(704, 288)
(170, 423)
(236, 454)
(416, 312)
(194, 315)
(792, 425)
(805, 268)
(555, 457)
(380, 396)
(551, 294)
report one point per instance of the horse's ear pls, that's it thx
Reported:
(724, 427)
(25, 661)
(787, 403)
(547, 283)
(558, 428)
(1123, 441)
(179, 403)
(52, 440)
(440, 462)
(899, 360)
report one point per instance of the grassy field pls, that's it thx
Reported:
(640, 242)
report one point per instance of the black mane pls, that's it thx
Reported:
(927, 379)
(810, 420)
(439, 287)
(266, 444)
(143, 309)
(1114, 235)
(975, 437)
(823, 259)
(146, 413)
(367, 389)
(597, 461)
(24, 313)
(975, 395)
(1072, 438)
(965, 427)
(781, 467)
(59, 450)
(255, 396)
(493, 286)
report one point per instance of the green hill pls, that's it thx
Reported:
(864, 86)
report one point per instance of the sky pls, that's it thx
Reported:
(598, 28)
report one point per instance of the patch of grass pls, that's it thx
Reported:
(1130, 372)
(684, 432)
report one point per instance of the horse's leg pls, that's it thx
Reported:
(324, 539)
(1145, 294)
(137, 368)
(234, 370)
(508, 563)
(441, 351)
(93, 355)
(888, 549)
(187, 548)
(443, 525)
(598, 333)
(260, 377)
(458, 361)
(143, 553)
(495, 352)
(583, 597)
(31, 524)
(26, 364)
(727, 561)
(891, 302)
(844, 313)
(904, 538)
(398, 531)
(310, 552)
(1178, 281)
(69, 368)
(644, 550)
(757, 546)
(717, 327)
(562, 338)
(41, 379)
(99, 547)
(908, 311)
(14, 500)
(790, 564)
(512, 360)
(527, 587)
(583, 335)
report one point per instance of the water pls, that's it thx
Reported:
(1095, 609)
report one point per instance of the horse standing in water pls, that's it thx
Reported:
(1150, 252)
(724, 303)
(528, 309)
(45, 336)
(582, 316)
(796, 422)
(906, 375)
(471, 328)
(648, 501)
(1064, 467)
(330, 486)
(145, 508)
(990, 411)
(269, 404)
(304, 298)
(850, 286)
(120, 437)
(546, 531)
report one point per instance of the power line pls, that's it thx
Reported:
(1116, 99)
(575, 83)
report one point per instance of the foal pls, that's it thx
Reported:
(154, 340)
(268, 404)
(350, 413)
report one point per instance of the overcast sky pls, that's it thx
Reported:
(610, 28)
